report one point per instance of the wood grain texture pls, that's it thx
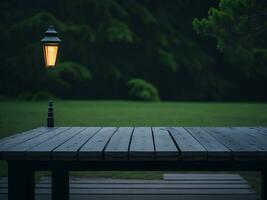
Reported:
(142, 145)
(164, 145)
(233, 141)
(93, 149)
(18, 151)
(69, 149)
(177, 178)
(261, 130)
(139, 143)
(44, 150)
(203, 177)
(202, 184)
(189, 147)
(147, 197)
(254, 139)
(215, 149)
(3, 140)
(22, 137)
(153, 186)
(201, 187)
(117, 148)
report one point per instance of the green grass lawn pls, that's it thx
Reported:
(18, 116)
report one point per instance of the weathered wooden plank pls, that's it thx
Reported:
(152, 186)
(19, 138)
(18, 152)
(93, 149)
(231, 140)
(189, 147)
(261, 130)
(142, 145)
(22, 137)
(174, 179)
(170, 183)
(117, 148)
(254, 139)
(257, 132)
(215, 149)
(149, 190)
(125, 191)
(180, 178)
(148, 197)
(44, 150)
(69, 149)
(165, 148)
(3, 140)
(154, 189)
(203, 177)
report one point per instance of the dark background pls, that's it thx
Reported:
(142, 50)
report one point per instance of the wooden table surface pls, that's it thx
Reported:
(137, 143)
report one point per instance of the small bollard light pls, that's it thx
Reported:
(50, 114)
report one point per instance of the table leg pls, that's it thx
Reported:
(20, 181)
(60, 183)
(264, 185)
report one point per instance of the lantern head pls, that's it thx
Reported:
(50, 47)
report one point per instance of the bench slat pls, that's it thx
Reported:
(18, 152)
(81, 188)
(142, 145)
(117, 148)
(93, 149)
(230, 138)
(215, 149)
(148, 197)
(164, 146)
(14, 140)
(69, 149)
(260, 130)
(254, 139)
(44, 150)
(189, 147)
(113, 191)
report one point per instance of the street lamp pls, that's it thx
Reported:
(50, 45)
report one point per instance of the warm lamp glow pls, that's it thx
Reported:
(50, 56)
(50, 47)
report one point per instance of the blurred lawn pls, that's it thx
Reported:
(18, 116)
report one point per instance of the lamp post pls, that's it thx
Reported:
(50, 44)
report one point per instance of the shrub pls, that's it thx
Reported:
(142, 90)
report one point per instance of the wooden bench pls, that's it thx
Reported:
(175, 186)
(64, 149)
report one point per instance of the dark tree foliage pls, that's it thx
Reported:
(107, 43)
(240, 28)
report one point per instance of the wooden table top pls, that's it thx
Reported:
(137, 143)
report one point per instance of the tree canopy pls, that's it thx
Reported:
(240, 28)
(111, 46)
